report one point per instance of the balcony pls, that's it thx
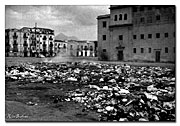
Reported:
(15, 48)
(25, 49)
(51, 45)
(15, 44)
(44, 45)
(85, 48)
(91, 48)
(15, 36)
(44, 38)
(25, 36)
(25, 44)
(50, 38)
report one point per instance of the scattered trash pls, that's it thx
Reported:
(115, 92)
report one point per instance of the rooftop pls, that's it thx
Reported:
(103, 16)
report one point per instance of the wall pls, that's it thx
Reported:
(103, 44)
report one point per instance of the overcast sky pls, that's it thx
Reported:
(79, 21)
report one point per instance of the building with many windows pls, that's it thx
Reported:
(29, 42)
(60, 47)
(137, 33)
(75, 48)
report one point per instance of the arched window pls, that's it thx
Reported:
(91, 48)
(115, 17)
(120, 16)
(64, 46)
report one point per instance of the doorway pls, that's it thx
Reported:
(158, 53)
(120, 55)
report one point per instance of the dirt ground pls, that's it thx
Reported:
(35, 101)
(41, 96)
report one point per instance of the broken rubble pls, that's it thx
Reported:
(116, 92)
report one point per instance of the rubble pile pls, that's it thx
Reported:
(116, 92)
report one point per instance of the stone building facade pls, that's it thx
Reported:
(75, 48)
(60, 47)
(81, 48)
(29, 42)
(137, 33)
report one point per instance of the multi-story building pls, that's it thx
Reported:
(60, 47)
(74, 48)
(137, 33)
(29, 42)
(81, 48)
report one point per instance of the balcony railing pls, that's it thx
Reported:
(44, 45)
(25, 36)
(25, 44)
(15, 44)
(44, 38)
(15, 36)
(50, 38)
(15, 48)
(51, 45)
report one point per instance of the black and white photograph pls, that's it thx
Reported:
(90, 63)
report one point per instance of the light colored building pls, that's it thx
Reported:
(81, 48)
(60, 47)
(75, 48)
(29, 42)
(137, 33)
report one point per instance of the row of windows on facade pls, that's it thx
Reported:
(148, 8)
(150, 50)
(27, 34)
(120, 17)
(135, 9)
(142, 36)
(85, 47)
(142, 19)
(25, 43)
(149, 19)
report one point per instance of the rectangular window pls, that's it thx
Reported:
(149, 7)
(158, 17)
(157, 35)
(149, 19)
(104, 50)
(149, 35)
(125, 16)
(115, 17)
(149, 50)
(104, 37)
(141, 8)
(120, 16)
(142, 20)
(104, 24)
(71, 47)
(134, 36)
(165, 35)
(142, 50)
(166, 49)
(134, 9)
(142, 36)
(134, 50)
(120, 37)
